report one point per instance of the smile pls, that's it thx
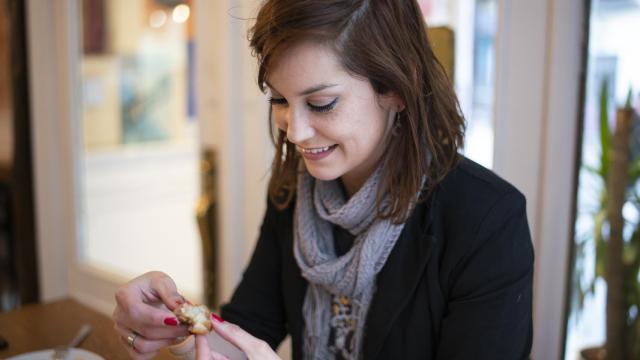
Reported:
(315, 150)
(317, 153)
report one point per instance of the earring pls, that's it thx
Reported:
(396, 125)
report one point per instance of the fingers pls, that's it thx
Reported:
(142, 344)
(165, 288)
(144, 305)
(235, 335)
(253, 347)
(148, 321)
(135, 354)
(203, 352)
(133, 313)
(202, 348)
(216, 356)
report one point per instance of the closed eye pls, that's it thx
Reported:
(323, 108)
(277, 101)
(316, 108)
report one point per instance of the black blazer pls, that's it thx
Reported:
(457, 285)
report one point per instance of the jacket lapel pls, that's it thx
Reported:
(399, 277)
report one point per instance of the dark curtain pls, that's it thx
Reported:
(18, 255)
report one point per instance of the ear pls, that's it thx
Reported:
(392, 102)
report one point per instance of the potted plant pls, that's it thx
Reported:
(615, 239)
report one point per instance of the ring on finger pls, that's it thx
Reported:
(131, 340)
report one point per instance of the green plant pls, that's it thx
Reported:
(615, 240)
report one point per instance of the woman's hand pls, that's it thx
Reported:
(253, 348)
(143, 315)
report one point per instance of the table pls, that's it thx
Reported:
(44, 326)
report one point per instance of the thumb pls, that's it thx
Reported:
(166, 290)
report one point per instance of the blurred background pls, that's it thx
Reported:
(133, 137)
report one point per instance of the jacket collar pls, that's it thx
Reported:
(400, 276)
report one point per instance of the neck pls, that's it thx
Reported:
(351, 184)
(348, 191)
(354, 180)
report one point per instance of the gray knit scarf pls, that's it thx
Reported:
(319, 206)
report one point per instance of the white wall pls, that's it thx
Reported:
(238, 130)
(538, 67)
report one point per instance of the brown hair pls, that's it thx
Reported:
(386, 42)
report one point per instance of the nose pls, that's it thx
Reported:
(299, 128)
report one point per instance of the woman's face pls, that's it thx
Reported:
(338, 123)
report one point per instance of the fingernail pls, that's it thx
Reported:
(171, 321)
(216, 318)
(179, 302)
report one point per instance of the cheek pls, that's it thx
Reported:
(368, 132)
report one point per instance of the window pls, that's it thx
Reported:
(140, 156)
(474, 25)
(613, 78)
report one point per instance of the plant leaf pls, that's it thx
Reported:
(600, 243)
(631, 250)
(592, 170)
(634, 171)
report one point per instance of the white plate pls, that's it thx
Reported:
(74, 354)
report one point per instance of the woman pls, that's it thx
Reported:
(379, 239)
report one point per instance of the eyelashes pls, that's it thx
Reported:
(277, 101)
(324, 108)
(316, 108)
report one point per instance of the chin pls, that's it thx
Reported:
(323, 173)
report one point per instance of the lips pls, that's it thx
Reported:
(315, 150)
(317, 153)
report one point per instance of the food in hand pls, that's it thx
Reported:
(197, 317)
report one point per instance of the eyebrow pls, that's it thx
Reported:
(310, 90)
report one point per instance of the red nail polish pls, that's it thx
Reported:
(171, 321)
(216, 318)
(179, 302)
